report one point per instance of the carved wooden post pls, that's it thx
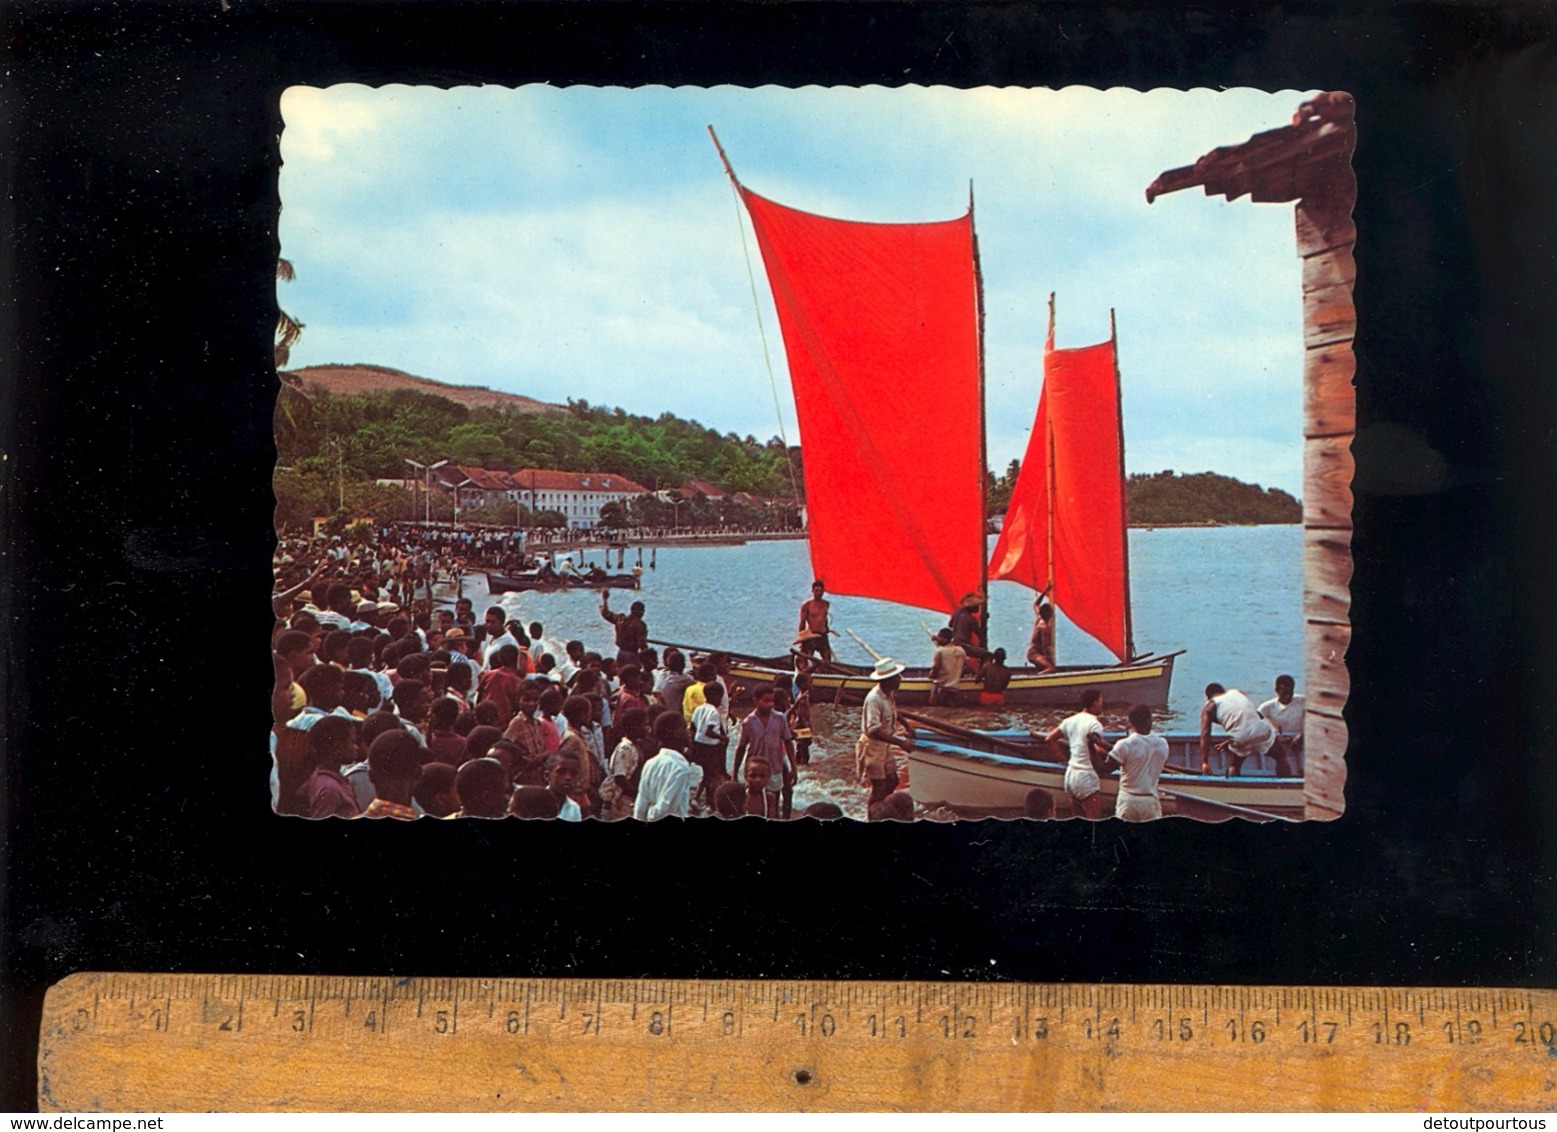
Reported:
(1310, 162)
(1325, 237)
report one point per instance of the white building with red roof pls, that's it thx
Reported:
(577, 495)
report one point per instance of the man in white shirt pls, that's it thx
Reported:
(497, 635)
(1285, 714)
(1140, 757)
(946, 669)
(665, 789)
(1084, 753)
(879, 733)
(1247, 731)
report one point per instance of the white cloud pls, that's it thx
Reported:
(584, 243)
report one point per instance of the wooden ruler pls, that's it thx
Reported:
(123, 1042)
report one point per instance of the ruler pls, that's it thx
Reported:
(132, 1042)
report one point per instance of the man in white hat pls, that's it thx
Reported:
(879, 732)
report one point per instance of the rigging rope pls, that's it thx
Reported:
(767, 360)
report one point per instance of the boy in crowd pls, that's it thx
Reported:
(483, 789)
(435, 793)
(709, 741)
(800, 719)
(394, 765)
(765, 734)
(577, 716)
(620, 790)
(562, 775)
(326, 793)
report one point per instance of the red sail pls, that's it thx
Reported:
(880, 327)
(1078, 414)
(1022, 550)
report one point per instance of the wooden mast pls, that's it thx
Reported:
(978, 300)
(1048, 455)
(1124, 490)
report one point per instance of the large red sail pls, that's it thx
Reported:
(880, 327)
(1074, 461)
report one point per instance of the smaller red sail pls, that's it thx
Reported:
(1022, 551)
(1074, 465)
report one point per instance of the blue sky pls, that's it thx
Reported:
(585, 242)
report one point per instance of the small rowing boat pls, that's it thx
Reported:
(535, 581)
(993, 775)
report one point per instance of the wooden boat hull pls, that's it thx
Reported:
(1141, 682)
(527, 583)
(991, 783)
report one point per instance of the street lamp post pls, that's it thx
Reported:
(429, 469)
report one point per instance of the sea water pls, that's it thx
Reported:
(1231, 597)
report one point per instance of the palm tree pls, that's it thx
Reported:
(292, 403)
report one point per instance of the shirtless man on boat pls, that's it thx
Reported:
(814, 629)
(1040, 646)
(1248, 732)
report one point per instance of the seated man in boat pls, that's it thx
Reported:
(1285, 714)
(946, 670)
(1247, 731)
(1040, 646)
(967, 630)
(1085, 754)
(1140, 757)
(814, 629)
(996, 678)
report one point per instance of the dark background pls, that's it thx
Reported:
(140, 156)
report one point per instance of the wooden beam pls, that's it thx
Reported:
(1329, 316)
(1327, 575)
(1326, 222)
(1329, 267)
(1329, 397)
(1324, 766)
(1326, 681)
(1327, 483)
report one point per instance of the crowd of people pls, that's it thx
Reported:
(387, 711)
(388, 705)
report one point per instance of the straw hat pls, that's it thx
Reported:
(886, 668)
(972, 600)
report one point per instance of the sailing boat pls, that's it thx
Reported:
(883, 331)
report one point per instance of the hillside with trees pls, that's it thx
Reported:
(331, 448)
(1168, 499)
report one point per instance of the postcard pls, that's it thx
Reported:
(890, 454)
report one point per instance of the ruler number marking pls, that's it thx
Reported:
(1529, 1034)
